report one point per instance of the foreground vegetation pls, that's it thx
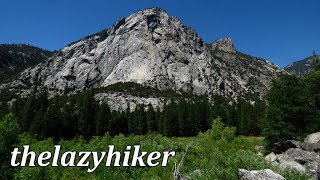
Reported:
(215, 154)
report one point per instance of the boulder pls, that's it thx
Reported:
(271, 157)
(260, 154)
(318, 171)
(312, 142)
(292, 165)
(258, 148)
(299, 155)
(311, 146)
(265, 174)
(275, 163)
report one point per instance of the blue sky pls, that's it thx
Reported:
(279, 30)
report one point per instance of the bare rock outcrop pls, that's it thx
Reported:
(123, 102)
(312, 142)
(224, 44)
(265, 174)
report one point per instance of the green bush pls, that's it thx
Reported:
(9, 131)
(217, 129)
(220, 132)
(229, 133)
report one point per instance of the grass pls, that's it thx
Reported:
(205, 158)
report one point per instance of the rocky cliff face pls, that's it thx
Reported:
(153, 49)
(224, 44)
(243, 72)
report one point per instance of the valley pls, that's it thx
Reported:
(149, 80)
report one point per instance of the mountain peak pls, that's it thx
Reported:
(154, 49)
(224, 44)
(148, 19)
(153, 9)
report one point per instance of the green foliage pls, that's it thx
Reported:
(213, 159)
(312, 100)
(294, 107)
(229, 133)
(103, 117)
(217, 153)
(217, 129)
(218, 132)
(136, 89)
(80, 115)
(9, 130)
(286, 109)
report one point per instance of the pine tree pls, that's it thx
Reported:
(285, 113)
(27, 113)
(183, 126)
(102, 119)
(51, 123)
(40, 106)
(151, 119)
(86, 114)
(69, 120)
(140, 120)
(243, 118)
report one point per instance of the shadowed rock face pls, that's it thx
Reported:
(153, 49)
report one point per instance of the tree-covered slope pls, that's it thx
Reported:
(16, 57)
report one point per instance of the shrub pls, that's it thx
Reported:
(229, 133)
(217, 129)
(220, 132)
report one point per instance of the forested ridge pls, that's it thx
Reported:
(14, 58)
(80, 115)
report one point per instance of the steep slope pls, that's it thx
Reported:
(153, 49)
(301, 67)
(246, 73)
(14, 58)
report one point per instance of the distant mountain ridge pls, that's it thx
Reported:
(14, 58)
(153, 49)
(301, 67)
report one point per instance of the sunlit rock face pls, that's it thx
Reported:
(154, 49)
